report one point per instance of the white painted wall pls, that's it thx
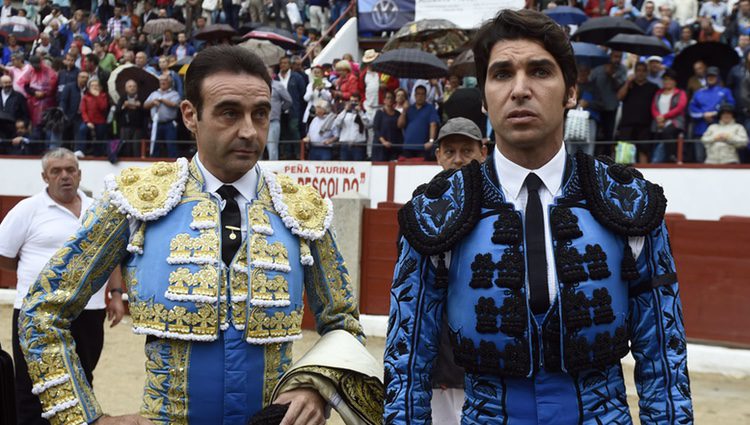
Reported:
(699, 193)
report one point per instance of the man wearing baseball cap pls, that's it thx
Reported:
(704, 108)
(459, 142)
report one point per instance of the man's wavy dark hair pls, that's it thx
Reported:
(524, 24)
(217, 59)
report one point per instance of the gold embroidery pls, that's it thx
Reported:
(206, 245)
(147, 189)
(181, 246)
(269, 289)
(258, 217)
(266, 253)
(177, 409)
(304, 203)
(239, 314)
(262, 325)
(205, 212)
(271, 375)
(139, 236)
(178, 319)
(180, 281)
(166, 381)
(184, 249)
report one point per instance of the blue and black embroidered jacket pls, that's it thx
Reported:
(463, 253)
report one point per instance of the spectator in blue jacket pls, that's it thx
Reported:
(704, 107)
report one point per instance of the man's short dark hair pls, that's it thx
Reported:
(640, 64)
(524, 24)
(216, 59)
(423, 88)
(93, 59)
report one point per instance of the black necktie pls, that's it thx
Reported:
(535, 248)
(231, 232)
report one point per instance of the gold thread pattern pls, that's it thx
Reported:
(165, 398)
(177, 322)
(267, 255)
(148, 189)
(203, 249)
(205, 214)
(264, 327)
(199, 286)
(271, 289)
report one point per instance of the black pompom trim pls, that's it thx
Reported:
(608, 215)
(458, 227)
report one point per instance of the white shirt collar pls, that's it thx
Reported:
(247, 185)
(512, 175)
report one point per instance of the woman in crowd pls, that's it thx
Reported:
(322, 133)
(388, 138)
(164, 64)
(402, 100)
(347, 83)
(668, 110)
(722, 139)
(94, 109)
(352, 123)
(318, 88)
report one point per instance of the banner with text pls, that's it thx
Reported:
(467, 14)
(329, 178)
(376, 16)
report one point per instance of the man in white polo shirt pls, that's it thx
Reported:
(29, 235)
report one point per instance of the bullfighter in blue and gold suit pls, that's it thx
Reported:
(467, 252)
(219, 335)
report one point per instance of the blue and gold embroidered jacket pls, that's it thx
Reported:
(462, 252)
(161, 225)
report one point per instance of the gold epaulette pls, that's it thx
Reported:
(302, 209)
(148, 193)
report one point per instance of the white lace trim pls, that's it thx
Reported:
(173, 196)
(239, 298)
(263, 230)
(174, 335)
(307, 260)
(198, 225)
(224, 326)
(59, 408)
(274, 340)
(265, 265)
(192, 260)
(270, 303)
(239, 269)
(40, 388)
(135, 249)
(190, 297)
(290, 222)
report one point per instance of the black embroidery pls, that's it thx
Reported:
(486, 312)
(597, 262)
(482, 270)
(517, 358)
(419, 190)
(513, 314)
(452, 217)
(437, 186)
(628, 267)
(575, 309)
(612, 202)
(602, 304)
(507, 228)
(511, 269)
(576, 353)
(551, 340)
(564, 224)
(602, 348)
(489, 357)
(491, 195)
(441, 273)
(464, 352)
(570, 265)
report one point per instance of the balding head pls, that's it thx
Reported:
(6, 83)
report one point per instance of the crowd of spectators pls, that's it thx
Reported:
(57, 89)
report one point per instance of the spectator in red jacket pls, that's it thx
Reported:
(596, 8)
(94, 108)
(347, 83)
(668, 110)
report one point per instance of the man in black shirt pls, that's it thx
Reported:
(636, 95)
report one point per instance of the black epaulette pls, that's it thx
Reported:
(619, 197)
(443, 211)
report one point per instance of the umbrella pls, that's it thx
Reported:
(410, 63)
(270, 53)
(566, 15)
(159, 26)
(147, 82)
(712, 53)
(247, 27)
(215, 32)
(438, 36)
(279, 40)
(464, 64)
(601, 30)
(180, 63)
(642, 45)
(24, 30)
(280, 31)
(589, 54)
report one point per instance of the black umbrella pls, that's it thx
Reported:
(601, 30)
(712, 53)
(642, 45)
(215, 32)
(410, 63)
(589, 54)
(464, 64)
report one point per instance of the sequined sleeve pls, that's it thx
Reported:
(329, 289)
(412, 339)
(59, 295)
(657, 335)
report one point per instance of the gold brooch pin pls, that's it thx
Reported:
(232, 236)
